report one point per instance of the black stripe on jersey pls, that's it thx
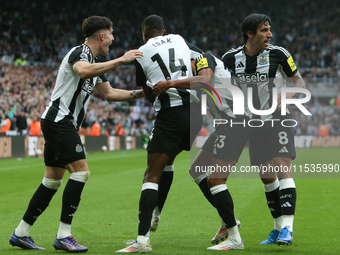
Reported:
(72, 106)
(251, 63)
(53, 110)
(229, 59)
(81, 114)
(164, 98)
(185, 95)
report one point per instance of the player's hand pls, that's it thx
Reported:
(132, 55)
(161, 87)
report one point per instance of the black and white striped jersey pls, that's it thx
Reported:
(223, 99)
(71, 93)
(167, 58)
(262, 72)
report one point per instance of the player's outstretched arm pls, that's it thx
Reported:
(204, 76)
(87, 71)
(115, 95)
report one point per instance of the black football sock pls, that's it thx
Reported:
(39, 202)
(71, 199)
(224, 204)
(147, 203)
(287, 196)
(273, 202)
(273, 198)
(203, 184)
(164, 187)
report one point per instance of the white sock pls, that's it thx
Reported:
(278, 223)
(287, 221)
(142, 239)
(64, 230)
(23, 229)
(234, 235)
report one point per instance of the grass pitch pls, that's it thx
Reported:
(108, 213)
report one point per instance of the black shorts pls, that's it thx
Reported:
(272, 140)
(62, 143)
(172, 131)
(228, 140)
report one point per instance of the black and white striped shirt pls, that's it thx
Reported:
(71, 93)
(166, 58)
(262, 72)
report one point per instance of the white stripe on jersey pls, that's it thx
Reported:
(273, 47)
(233, 50)
(168, 57)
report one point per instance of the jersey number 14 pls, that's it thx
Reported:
(173, 68)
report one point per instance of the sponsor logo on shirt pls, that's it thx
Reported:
(255, 77)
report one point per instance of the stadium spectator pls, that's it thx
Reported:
(5, 125)
(95, 129)
(119, 129)
(60, 124)
(21, 122)
(35, 127)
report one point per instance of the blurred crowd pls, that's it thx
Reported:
(35, 36)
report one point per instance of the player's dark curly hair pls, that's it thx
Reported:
(94, 23)
(153, 22)
(251, 23)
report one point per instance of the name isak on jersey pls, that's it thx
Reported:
(87, 87)
(254, 77)
(168, 40)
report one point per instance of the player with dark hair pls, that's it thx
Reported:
(263, 68)
(79, 73)
(166, 57)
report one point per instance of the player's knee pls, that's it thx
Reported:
(52, 183)
(282, 161)
(215, 181)
(80, 176)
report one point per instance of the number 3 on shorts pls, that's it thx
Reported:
(219, 142)
(283, 139)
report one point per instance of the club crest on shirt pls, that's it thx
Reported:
(79, 148)
(263, 60)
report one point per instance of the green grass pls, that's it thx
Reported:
(108, 213)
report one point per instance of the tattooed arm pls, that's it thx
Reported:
(298, 82)
(114, 95)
